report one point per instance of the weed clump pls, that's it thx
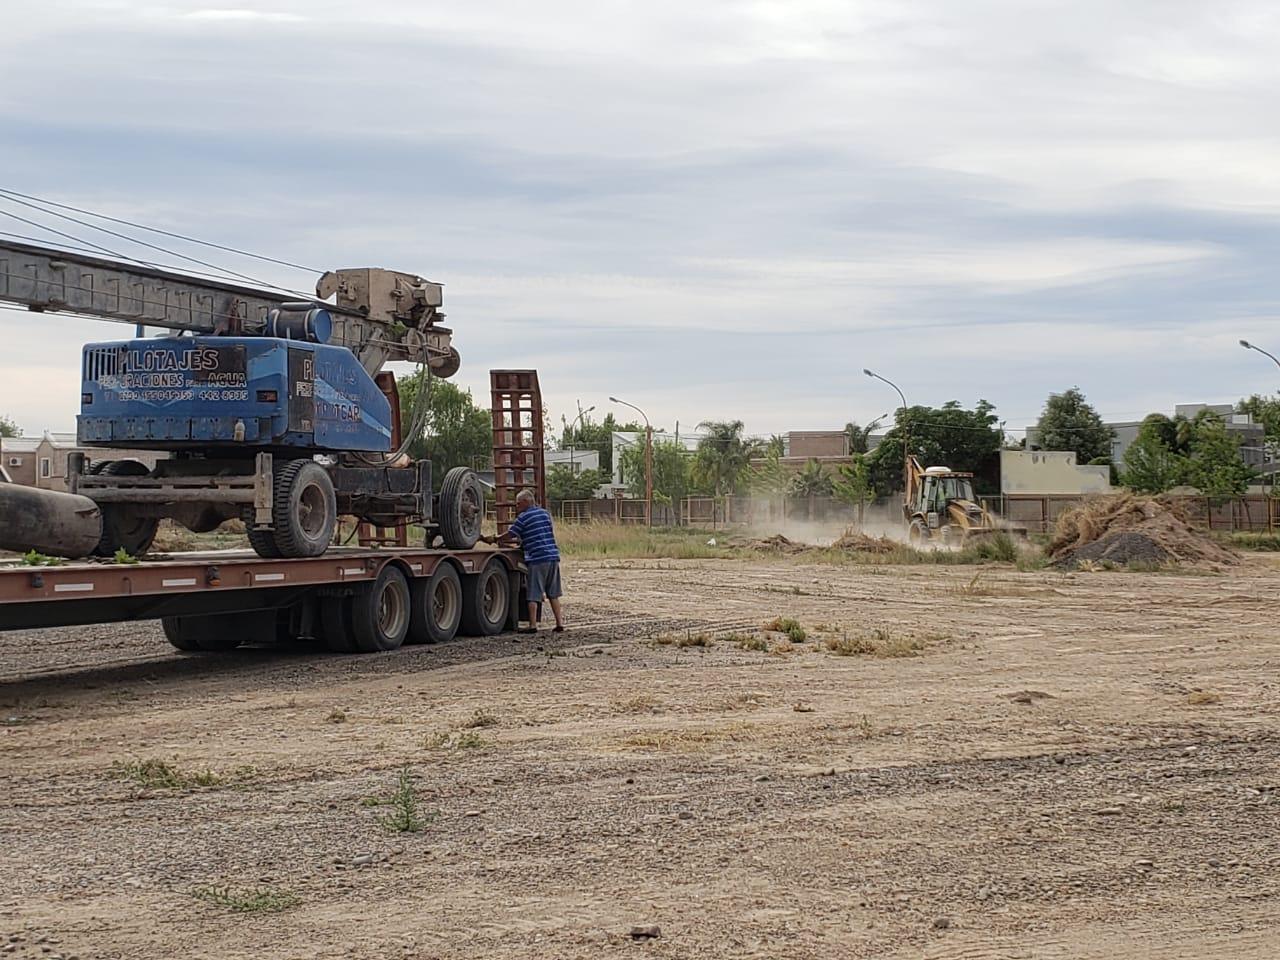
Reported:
(481, 718)
(252, 900)
(879, 643)
(789, 626)
(156, 774)
(404, 816)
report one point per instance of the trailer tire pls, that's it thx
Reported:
(486, 599)
(461, 509)
(437, 606)
(122, 528)
(381, 612)
(305, 510)
(213, 634)
(334, 625)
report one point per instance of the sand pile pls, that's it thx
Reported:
(1128, 528)
(854, 542)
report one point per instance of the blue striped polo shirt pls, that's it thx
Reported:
(537, 539)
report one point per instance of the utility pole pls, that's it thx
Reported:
(573, 447)
(648, 460)
(906, 430)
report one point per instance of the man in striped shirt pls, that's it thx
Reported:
(532, 530)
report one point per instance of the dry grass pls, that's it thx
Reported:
(1203, 698)
(878, 643)
(641, 703)
(681, 739)
(789, 626)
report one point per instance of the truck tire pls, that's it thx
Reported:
(486, 599)
(122, 528)
(263, 542)
(381, 612)
(917, 534)
(305, 510)
(334, 625)
(461, 509)
(211, 634)
(437, 606)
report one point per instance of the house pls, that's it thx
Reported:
(575, 458)
(622, 439)
(1050, 473)
(815, 444)
(43, 462)
(18, 460)
(1249, 435)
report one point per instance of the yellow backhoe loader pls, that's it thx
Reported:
(939, 506)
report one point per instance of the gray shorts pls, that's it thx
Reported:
(544, 581)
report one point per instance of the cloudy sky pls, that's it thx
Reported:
(714, 210)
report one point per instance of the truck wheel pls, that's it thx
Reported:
(263, 542)
(334, 625)
(380, 612)
(122, 527)
(305, 510)
(212, 634)
(461, 509)
(437, 606)
(917, 534)
(486, 598)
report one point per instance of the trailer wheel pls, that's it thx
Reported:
(305, 510)
(461, 508)
(486, 598)
(334, 625)
(437, 606)
(122, 527)
(380, 612)
(213, 634)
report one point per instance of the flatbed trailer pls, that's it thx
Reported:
(351, 600)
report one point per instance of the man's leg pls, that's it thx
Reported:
(555, 608)
(533, 614)
(553, 592)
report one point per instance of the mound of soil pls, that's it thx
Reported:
(774, 544)
(1128, 528)
(854, 542)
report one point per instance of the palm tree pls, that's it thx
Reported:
(860, 437)
(811, 481)
(723, 455)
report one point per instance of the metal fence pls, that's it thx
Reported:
(1254, 513)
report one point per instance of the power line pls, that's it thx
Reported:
(165, 233)
(152, 246)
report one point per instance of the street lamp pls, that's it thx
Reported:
(1252, 346)
(573, 448)
(906, 427)
(648, 460)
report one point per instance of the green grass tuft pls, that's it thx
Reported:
(249, 900)
(791, 627)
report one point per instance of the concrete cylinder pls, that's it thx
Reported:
(49, 522)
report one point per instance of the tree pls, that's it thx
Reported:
(723, 456)
(768, 476)
(1070, 423)
(1199, 452)
(1150, 466)
(670, 470)
(1264, 410)
(949, 435)
(811, 481)
(564, 484)
(1214, 465)
(860, 437)
(8, 428)
(590, 435)
(457, 433)
(853, 484)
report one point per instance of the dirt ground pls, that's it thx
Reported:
(1069, 766)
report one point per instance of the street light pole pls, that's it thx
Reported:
(573, 448)
(906, 427)
(648, 460)
(1253, 346)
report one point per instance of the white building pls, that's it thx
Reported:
(621, 440)
(576, 459)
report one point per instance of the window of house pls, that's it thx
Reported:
(44, 467)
